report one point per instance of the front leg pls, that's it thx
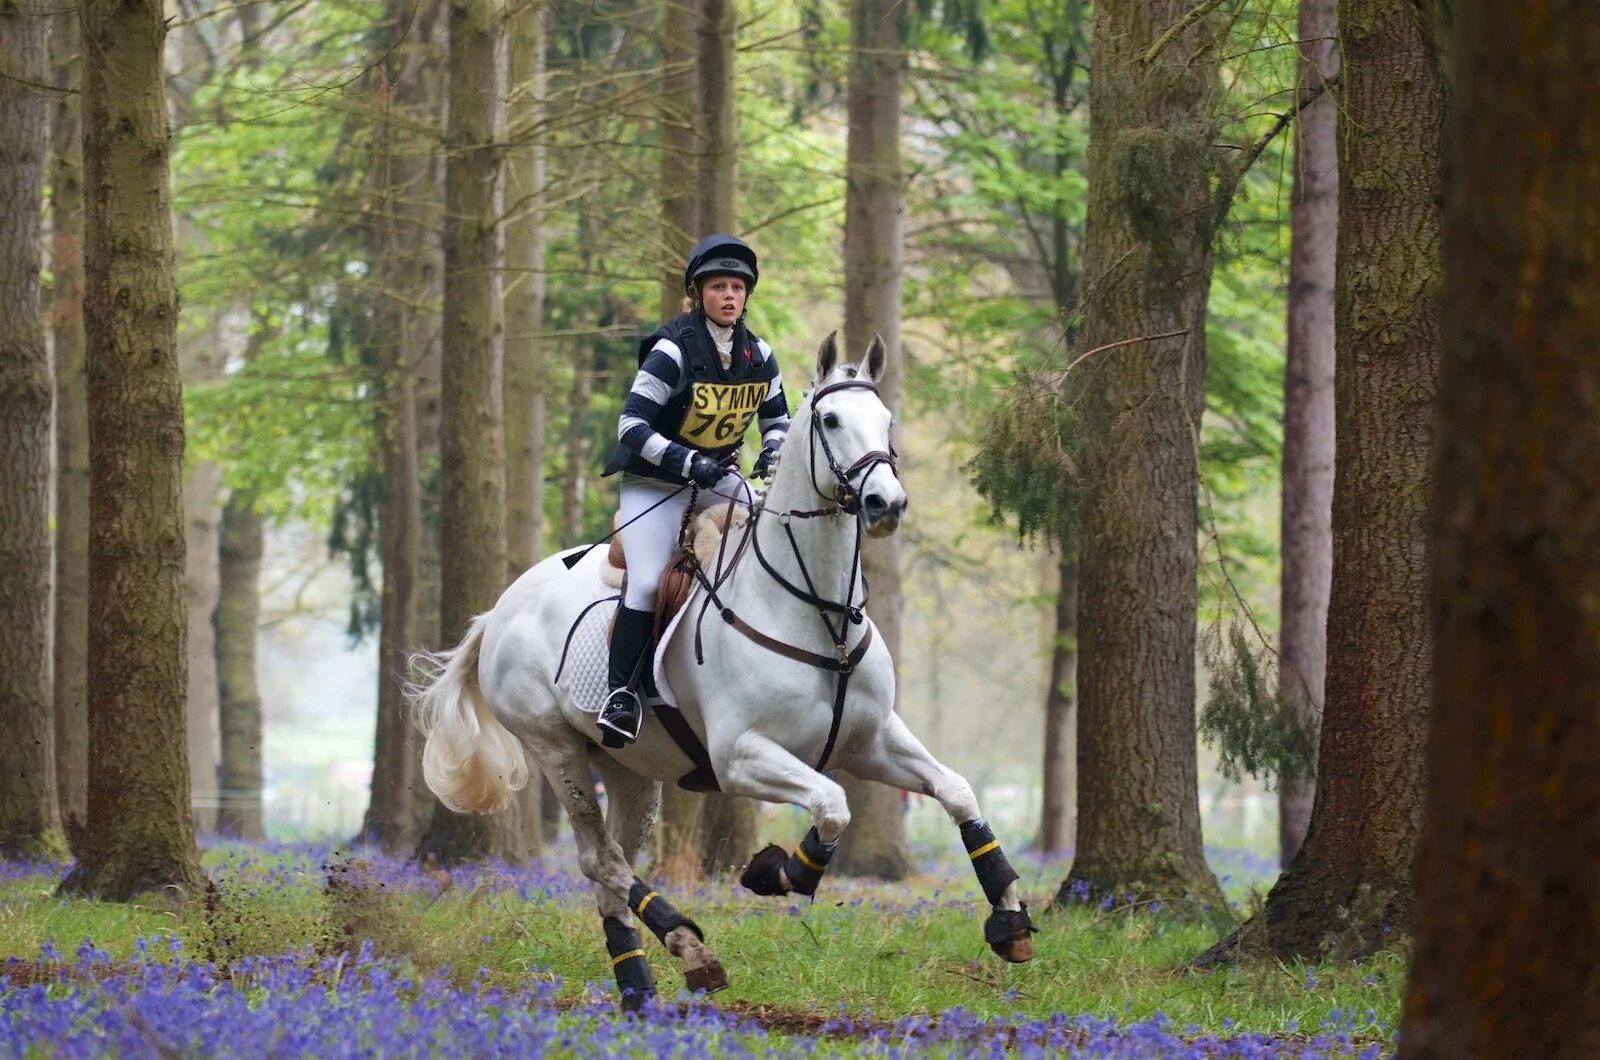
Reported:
(899, 760)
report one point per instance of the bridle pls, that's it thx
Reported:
(845, 494)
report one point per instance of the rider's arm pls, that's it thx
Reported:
(660, 377)
(774, 411)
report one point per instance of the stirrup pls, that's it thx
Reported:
(621, 717)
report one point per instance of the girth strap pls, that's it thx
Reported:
(843, 667)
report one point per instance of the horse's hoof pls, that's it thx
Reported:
(1017, 950)
(1010, 934)
(708, 978)
(762, 875)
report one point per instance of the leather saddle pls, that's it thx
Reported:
(677, 581)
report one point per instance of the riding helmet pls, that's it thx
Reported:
(721, 255)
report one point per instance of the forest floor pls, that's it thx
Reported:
(316, 950)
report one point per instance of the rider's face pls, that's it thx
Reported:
(723, 297)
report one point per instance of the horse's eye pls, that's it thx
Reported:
(829, 420)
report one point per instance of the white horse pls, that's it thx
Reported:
(764, 714)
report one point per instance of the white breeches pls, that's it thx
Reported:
(648, 542)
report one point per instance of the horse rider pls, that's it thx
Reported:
(703, 376)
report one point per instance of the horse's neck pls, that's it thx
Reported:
(826, 544)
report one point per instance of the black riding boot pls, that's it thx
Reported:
(622, 715)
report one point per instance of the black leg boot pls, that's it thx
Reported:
(622, 715)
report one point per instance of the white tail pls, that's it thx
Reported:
(470, 761)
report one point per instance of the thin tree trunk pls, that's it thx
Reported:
(680, 221)
(1307, 545)
(30, 820)
(1508, 912)
(717, 117)
(1055, 826)
(1354, 871)
(202, 493)
(874, 240)
(72, 429)
(524, 345)
(1151, 259)
(574, 471)
(140, 835)
(238, 617)
(472, 532)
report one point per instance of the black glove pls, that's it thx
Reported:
(764, 462)
(704, 471)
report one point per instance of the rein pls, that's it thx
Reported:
(848, 501)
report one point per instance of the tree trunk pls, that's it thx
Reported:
(202, 491)
(238, 616)
(1508, 906)
(717, 117)
(1055, 824)
(574, 472)
(29, 816)
(1150, 225)
(472, 536)
(72, 428)
(140, 835)
(402, 184)
(1355, 867)
(874, 238)
(524, 345)
(680, 221)
(1307, 535)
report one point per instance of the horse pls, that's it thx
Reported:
(773, 694)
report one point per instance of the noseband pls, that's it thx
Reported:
(846, 494)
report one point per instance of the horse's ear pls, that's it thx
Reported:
(827, 355)
(875, 360)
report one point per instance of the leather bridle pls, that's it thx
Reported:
(846, 494)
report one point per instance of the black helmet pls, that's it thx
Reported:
(721, 255)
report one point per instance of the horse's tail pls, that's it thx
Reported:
(470, 761)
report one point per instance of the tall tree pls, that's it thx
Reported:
(72, 426)
(139, 836)
(1055, 816)
(401, 179)
(1151, 222)
(1359, 850)
(239, 703)
(29, 815)
(679, 827)
(874, 240)
(1307, 535)
(727, 824)
(472, 507)
(524, 315)
(1508, 905)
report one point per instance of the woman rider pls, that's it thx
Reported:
(702, 378)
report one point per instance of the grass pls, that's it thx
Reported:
(863, 950)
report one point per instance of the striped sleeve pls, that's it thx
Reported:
(774, 410)
(660, 377)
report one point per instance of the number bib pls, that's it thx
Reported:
(719, 413)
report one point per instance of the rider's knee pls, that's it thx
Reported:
(640, 594)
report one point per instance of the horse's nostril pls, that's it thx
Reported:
(875, 503)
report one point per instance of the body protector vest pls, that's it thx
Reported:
(715, 406)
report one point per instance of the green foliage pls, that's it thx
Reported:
(1254, 728)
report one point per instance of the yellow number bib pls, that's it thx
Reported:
(720, 412)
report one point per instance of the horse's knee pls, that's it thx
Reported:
(832, 813)
(959, 801)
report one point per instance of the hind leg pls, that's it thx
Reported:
(631, 804)
(900, 760)
(601, 858)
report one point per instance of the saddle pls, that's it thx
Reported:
(677, 579)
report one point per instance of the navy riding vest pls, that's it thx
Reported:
(713, 411)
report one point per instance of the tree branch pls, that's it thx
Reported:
(1226, 190)
(1172, 32)
(1057, 378)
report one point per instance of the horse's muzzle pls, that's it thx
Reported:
(880, 515)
